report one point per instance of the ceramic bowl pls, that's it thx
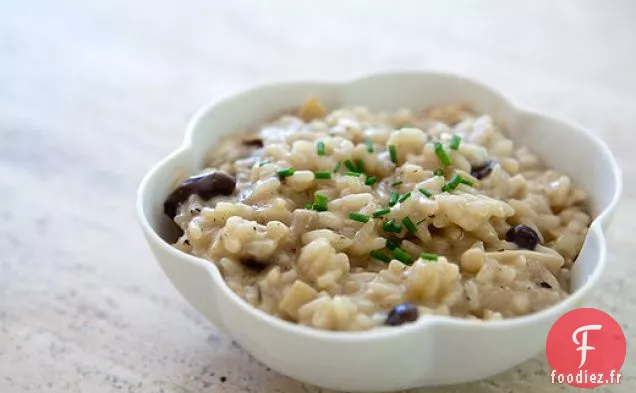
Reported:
(434, 350)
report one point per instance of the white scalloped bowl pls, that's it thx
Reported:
(433, 350)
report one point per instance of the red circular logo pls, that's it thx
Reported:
(586, 348)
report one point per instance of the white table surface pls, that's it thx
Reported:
(93, 93)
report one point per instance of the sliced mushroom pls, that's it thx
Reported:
(483, 170)
(402, 313)
(255, 142)
(206, 185)
(523, 236)
(254, 265)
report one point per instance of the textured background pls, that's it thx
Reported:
(91, 95)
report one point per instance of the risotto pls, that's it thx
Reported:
(351, 219)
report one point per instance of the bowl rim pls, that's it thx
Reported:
(378, 333)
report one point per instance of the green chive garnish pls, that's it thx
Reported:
(467, 182)
(438, 172)
(322, 175)
(369, 144)
(356, 174)
(370, 180)
(392, 227)
(380, 256)
(441, 154)
(337, 167)
(308, 206)
(393, 153)
(359, 166)
(286, 172)
(455, 141)
(359, 217)
(425, 192)
(407, 125)
(391, 245)
(320, 148)
(320, 203)
(451, 185)
(402, 256)
(381, 212)
(408, 224)
(350, 166)
(428, 256)
(420, 221)
(455, 181)
(404, 197)
(263, 163)
(393, 198)
(396, 183)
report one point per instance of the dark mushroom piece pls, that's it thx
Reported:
(483, 170)
(402, 313)
(256, 142)
(523, 236)
(206, 185)
(254, 265)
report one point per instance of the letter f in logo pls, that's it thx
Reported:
(583, 344)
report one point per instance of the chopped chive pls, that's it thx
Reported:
(425, 192)
(404, 197)
(391, 227)
(263, 163)
(428, 256)
(453, 183)
(438, 172)
(441, 154)
(359, 165)
(370, 180)
(455, 141)
(396, 183)
(356, 174)
(283, 173)
(380, 256)
(320, 148)
(402, 256)
(350, 166)
(420, 221)
(393, 153)
(407, 125)
(381, 212)
(369, 144)
(408, 224)
(320, 199)
(320, 203)
(322, 175)
(359, 217)
(308, 206)
(467, 182)
(337, 167)
(391, 245)
(393, 198)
